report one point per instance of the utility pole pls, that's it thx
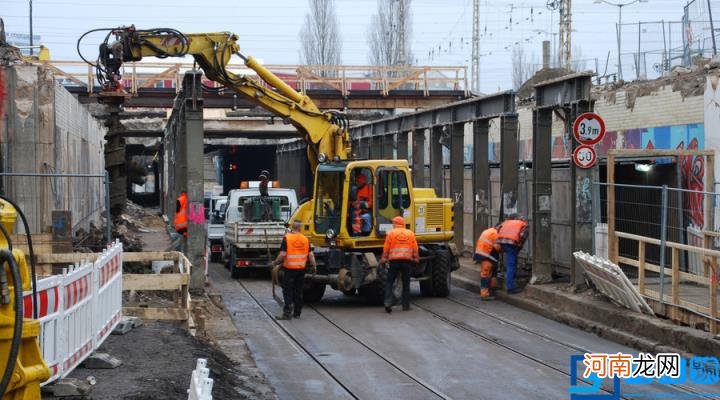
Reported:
(476, 47)
(402, 58)
(565, 54)
(31, 30)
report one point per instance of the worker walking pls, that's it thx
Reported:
(294, 254)
(512, 234)
(401, 250)
(487, 253)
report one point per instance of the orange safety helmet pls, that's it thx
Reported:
(398, 222)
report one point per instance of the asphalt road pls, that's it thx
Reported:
(454, 348)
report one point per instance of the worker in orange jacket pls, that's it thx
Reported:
(487, 254)
(295, 252)
(401, 249)
(512, 234)
(181, 218)
(361, 197)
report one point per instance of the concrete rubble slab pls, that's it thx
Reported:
(101, 361)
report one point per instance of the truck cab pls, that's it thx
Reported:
(254, 227)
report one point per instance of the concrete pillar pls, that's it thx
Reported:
(542, 195)
(401, 141)
(581, 184)
(481, 176)
(418, 157)
(436, 161)
(457, 177)
(508, 165)
(194, 150)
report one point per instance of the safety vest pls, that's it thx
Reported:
(181, 221)
(298, 247)
(486, 243)
(363, 194)
(400, 244)
(513, 231)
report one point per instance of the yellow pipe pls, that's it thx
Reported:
(274, 81)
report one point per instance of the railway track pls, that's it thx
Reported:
(404, 371)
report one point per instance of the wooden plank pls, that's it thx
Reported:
(157, 313)
(64, 258)
(154, 281)
(674, 245)
(675, 276)
(658, 153)
(641, 267)
(145, 256)
(685, 276)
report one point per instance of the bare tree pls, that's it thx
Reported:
(523, 67)
(320, 37)
(389, 33)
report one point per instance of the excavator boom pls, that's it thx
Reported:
(325, 132)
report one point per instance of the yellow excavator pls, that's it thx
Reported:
(346, 230)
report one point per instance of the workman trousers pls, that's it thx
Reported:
(292, 285)
(511, 254)
(488, 282)
(402, 267)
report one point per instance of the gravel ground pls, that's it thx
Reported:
(158, 359)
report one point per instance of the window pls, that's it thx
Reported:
(328, 199)
(393, 196)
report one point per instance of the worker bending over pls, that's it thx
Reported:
(294, 254)
(512, 234)
(401, 250)
(487, 254)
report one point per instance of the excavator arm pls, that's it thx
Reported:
(325, 132)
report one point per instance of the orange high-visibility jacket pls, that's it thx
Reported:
(298, 247)
(487, 243)
(181, 221)
(400, 244)
(513, 231)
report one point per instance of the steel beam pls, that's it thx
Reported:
(457, 177)
(401, 142)
(418, 157)
(436, 160)
(542, 196)
(481, 176)
(508, 165)
(581, 184)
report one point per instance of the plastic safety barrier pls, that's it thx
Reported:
(200, 383)
(78, 310)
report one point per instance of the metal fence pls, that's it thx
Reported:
(663, 244)
(62, 204)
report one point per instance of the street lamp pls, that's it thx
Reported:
(619, 27)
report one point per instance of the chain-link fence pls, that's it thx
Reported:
(658, 228)
(64, 211)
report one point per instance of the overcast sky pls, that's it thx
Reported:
(442, 29)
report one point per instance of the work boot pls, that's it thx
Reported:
(388, 309)
(296, 315)
(283, 317)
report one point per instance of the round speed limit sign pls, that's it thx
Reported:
(589, 128)
(584, 156)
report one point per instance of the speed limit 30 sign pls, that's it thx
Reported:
(589, 128)
(584, 156)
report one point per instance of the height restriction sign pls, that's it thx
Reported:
(589, 128)
(584, 156)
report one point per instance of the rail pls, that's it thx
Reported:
(682, 298)
(340, 78)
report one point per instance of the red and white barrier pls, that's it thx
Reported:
(78, 310)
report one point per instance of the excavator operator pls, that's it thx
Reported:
(361, 213)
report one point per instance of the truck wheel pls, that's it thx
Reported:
(313, 293)
(374, 292)
(232, 263)
(440, 273)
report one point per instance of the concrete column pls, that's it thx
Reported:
(194, 171)
(481, 177)
(436, 161)
(457, 175)
(401, 140)
(418, 157)
(542, 195)
(581, 184)
(508, 165)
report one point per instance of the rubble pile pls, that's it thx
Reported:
(126, 226)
